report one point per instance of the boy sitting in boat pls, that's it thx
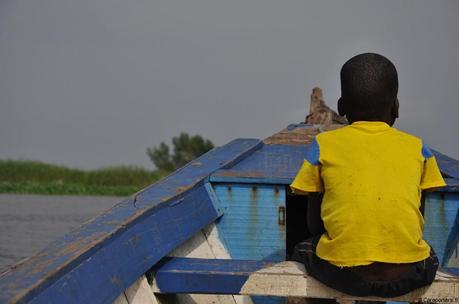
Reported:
(368, 225)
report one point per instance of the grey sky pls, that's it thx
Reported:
(92, 83)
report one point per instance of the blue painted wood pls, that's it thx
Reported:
(213, 197)
(452, 241)
(453, 271)
(452, 185)
(272, 180)
(103, 275)
(214, 276)
(250, 228)
(440, 216)
(96, 262)
(275, 164)
(448, 166)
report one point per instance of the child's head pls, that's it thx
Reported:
(369, 86)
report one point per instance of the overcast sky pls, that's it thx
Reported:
(93, 83)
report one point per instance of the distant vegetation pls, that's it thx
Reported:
(186, 148)
(32, 177)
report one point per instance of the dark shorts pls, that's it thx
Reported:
(377, 279)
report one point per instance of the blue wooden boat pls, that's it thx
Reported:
(231, 203)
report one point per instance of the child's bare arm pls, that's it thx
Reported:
(423, 202)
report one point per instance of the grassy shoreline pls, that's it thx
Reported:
(33, 177)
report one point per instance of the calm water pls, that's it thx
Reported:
(29, 222)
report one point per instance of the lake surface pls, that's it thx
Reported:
(29, 222)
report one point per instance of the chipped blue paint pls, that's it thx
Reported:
(274, 164)
(440, 216)
(102, 276)
(250, 227)
(250, 180)
(448, 166)
(213, 197)
(452, 242)
(214, 276)
(452, 270)
(98, 261)
(452, 185)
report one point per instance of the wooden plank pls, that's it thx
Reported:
(448, 166)
(452, 242)
(190, 275)
(117, 264)
(274, 279)
(195, 247)
(273, 164)
(121, 299)
(440, 217)
(205, 244)
(140, 292)
(299, 134)
(250, 228)
(219, 250)
(250, 180)
(89, 264)
(215, 242)
(452, 185)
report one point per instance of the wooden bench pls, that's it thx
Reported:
(284, 279)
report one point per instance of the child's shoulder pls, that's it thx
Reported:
(407, 136)
(405, 140)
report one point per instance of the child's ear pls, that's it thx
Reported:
(394, 112)
(341, 107)
(395, 109)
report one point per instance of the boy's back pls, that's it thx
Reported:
(372, 177)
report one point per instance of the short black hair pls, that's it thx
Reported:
(369, 86)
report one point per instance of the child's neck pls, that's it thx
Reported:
(388, 120)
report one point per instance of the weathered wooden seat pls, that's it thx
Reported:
(284, 279)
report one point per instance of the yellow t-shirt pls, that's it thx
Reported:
(372, 176)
